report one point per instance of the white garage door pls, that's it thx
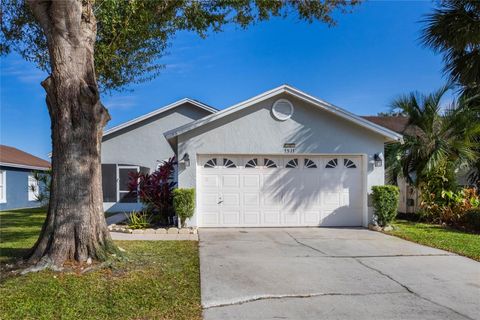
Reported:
(272, 191)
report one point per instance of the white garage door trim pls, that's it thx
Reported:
(360, 159)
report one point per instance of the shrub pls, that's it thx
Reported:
(385, 203)
(184, 203)
(472, 219)
(155, 190)
(138, 220)
(449, 207)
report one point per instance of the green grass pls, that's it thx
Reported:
(456, 241)
(19, 230)
(157, 280)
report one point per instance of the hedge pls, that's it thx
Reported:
(184, 203)
(385, 203)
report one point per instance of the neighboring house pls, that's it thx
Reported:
(18, 188)
(282, 158)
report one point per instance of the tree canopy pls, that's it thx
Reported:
(133, 35)
(453, 29)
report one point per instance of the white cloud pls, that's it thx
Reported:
(120, 102)
(23, 71)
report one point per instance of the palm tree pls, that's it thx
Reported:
(435, 142)
(453, 29)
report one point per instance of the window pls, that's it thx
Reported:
(124, 194)
(227, 163)
(3, 186)
(349, 164)
(251, 163)
(33, 188)
(332, 163)
(212, 163)
(269, 163)
(292, 163)
(282, 109)
(309, 163)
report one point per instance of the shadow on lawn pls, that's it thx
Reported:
(19, 230)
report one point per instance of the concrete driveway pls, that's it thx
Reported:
(320, 273)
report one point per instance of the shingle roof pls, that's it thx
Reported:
(397, 124)
(18, 158)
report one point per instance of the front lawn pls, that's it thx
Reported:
(462, 243)
(157, 280)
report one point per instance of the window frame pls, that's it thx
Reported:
(119, 166)
(33, 194)
(3, 192)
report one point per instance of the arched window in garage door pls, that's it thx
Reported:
(307, 163)
(269, 163)
(212, 163)
(332, 163)
(252, 163)
(227, 163)
(349, 163)
(292, 163)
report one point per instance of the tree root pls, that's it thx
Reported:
(44, 264)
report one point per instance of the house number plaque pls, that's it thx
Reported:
(289, 147)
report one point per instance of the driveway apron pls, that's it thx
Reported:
(332, 273)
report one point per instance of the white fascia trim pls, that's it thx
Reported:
(391, 135)
(22, 166)
(158, 111)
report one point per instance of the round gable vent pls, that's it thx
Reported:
(282, 109)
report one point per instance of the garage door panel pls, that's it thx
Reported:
(271, 217)
(231, 218)
(291, 218)
(230, 199)
(209, 198)
(230, 181)
(209, 218)
(251, 218)
(343, 216)
(251, 181)
(209, 181)
(331, 199)
(312, 218)
(267, 193)
(251, 199)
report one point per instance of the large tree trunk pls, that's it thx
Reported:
(75, 227)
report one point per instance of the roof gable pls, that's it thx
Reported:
(159, 111)
(13, 157)
(387, 133)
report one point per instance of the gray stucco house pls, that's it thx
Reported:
(282, 158)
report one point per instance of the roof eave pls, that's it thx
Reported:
(389, 134)
(23, 166)
(157, 112)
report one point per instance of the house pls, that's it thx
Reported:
(282, 158)
(18, 188)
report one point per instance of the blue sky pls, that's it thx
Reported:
(369, 58)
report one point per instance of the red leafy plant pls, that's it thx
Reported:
(155, 190)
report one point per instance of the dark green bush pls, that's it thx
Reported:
(184, 203)
(385, 203)
(472, 219)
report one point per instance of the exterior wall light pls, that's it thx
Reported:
(186, 160)
(378, 160)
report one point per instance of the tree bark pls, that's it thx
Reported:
(75, 227)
